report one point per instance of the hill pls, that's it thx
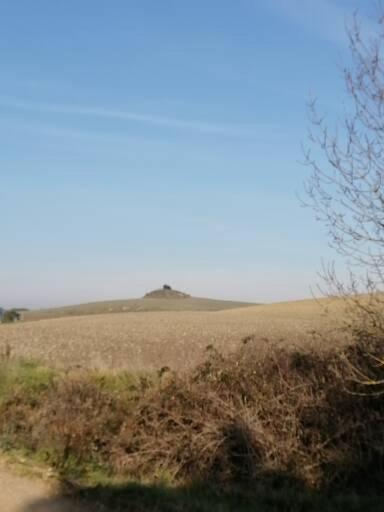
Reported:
(154, 301)
(166, 292)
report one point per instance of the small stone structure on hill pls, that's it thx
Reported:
(166, 292)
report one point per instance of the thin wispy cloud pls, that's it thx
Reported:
(225, 129)
(325, 18)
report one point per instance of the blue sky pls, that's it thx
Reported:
(145, 142)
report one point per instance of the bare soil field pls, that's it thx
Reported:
(178, 339)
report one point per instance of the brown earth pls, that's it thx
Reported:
(178, 339)
(30, 494)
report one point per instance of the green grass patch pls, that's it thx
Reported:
(123, 383)
(25, 377)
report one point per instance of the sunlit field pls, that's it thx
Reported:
(178, 339)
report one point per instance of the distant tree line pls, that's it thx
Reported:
(10, 316)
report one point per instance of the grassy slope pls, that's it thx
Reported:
(135, 305)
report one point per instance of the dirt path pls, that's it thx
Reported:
(25, 494)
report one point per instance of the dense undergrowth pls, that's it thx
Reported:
(286, 426)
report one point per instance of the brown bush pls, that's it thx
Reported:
(73, 423)
(243, 418)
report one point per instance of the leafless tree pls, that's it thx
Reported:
(346, 189)
(346, 185)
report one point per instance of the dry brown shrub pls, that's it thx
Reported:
(73, 422)
(79, 420)
(243, 418)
